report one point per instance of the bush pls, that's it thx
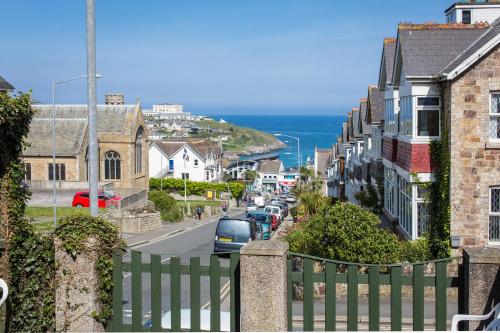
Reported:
(294, 211)
(346, 232)
(417, 250)
(196, 188)
(166, 205)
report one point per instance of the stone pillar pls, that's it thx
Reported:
(481, 282)
(77, 289)
(263, 286)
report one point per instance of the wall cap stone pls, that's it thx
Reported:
(482, 255)
(265, 248)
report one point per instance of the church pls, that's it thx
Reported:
(123, 147)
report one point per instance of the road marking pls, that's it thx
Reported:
(182, 231)
(223, 294)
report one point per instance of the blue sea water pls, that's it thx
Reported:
(314, 131)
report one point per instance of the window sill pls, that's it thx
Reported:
(492, 145)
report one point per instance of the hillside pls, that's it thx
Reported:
(239, 140)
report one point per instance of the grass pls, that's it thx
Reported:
(42, 216)
(195, 203)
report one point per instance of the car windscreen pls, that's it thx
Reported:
(276, 211)
(238, 230)
(258, 217)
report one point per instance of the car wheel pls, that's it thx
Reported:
(79, 206)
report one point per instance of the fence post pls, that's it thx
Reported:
(77, 294)
(481, 282)
(264, 286)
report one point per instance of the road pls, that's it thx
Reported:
(195, 242)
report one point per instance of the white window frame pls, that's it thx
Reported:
(491, 116)
(406, 215)
(417, 108)
(419, 201)
(492, 214)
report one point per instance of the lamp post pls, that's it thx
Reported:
(54, 84)
(299, 165)
(185, 157)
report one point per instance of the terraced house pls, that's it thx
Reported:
(441, 82)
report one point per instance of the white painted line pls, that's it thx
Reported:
(177, 233)
(130, 274)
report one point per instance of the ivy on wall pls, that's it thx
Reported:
(439, 199)
(74, 231)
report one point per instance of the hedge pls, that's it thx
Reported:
(166, 205)
(196, 188)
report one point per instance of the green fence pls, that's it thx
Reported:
(396, 276)
(175, 269)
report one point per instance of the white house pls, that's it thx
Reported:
(269, 171)
(195, 160)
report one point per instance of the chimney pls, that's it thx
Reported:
(114, 99)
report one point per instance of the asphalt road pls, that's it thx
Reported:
(195, 242)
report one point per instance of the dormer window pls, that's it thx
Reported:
(466, 17)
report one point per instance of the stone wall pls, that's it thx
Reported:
(136, 224)
(475, 161)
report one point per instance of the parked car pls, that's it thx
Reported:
(166, 320)
(264, 220)
(259, 201)
(231, 234)
(291, 199)
(276, 211)
(251, 206)
(274, 222)
(105, 199)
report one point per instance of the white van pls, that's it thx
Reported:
(259, 201)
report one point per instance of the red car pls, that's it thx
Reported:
(105, 200)
(274, 222)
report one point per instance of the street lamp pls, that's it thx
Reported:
(54, 84)
(298, 147)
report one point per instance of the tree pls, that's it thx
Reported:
(369, 198)
(346, 232)
(250, 175)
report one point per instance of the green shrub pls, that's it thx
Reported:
(347, 232)
(166, 205)
(417, 250)
(196, 188)
(294, 211)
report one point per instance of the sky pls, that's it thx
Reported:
(214, 57)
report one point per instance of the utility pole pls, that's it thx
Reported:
(92, 109)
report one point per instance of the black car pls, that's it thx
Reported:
(232, 234)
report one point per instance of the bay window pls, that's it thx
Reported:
(423, 208)
(428, 116)
(406, 116)
(406, 206)
(495, 116)
(389, 189)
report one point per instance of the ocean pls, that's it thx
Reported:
(314, 131)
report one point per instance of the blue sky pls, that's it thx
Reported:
(217, 56)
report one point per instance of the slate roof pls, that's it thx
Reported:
(363, 126)
(71, 127)
(489, 34)
(110, 118)
(4, 85)
(427, 48)
(70, 134)
(345, 134)
(269, 166)
(389, 53)
(355, 122)
(169, 147)
(376, 105)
